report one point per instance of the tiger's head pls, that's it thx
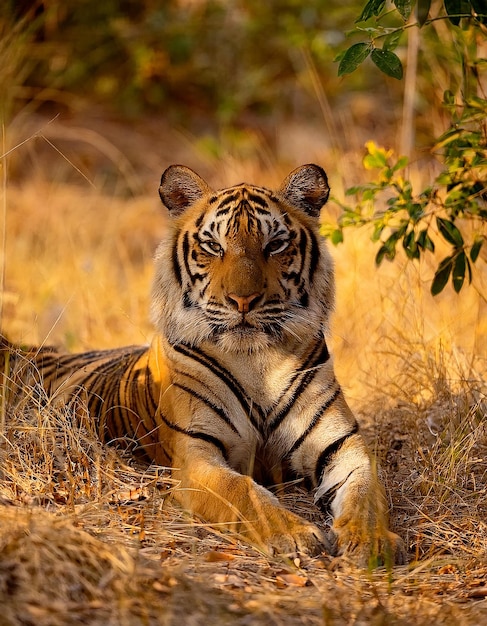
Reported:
(243, 267)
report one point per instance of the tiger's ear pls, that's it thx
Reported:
(306, 188)
(180, 188)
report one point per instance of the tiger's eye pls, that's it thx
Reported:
(276, 245)
(212, 247)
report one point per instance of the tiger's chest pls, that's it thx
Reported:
(250, 406)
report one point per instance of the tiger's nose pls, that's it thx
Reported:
(244, 303)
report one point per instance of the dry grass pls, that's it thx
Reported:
(89, 537)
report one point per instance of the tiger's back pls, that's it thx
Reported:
(238, 382)
(119, 388)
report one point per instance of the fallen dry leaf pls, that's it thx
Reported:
(448, 569)
(291, 580)
(214, 556)
(229, 580)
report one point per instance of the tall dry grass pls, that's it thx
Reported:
(89, 537)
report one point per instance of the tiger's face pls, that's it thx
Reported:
(243, 267)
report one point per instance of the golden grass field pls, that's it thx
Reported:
(89, 537)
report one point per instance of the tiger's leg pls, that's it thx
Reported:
(352, 492)
(233, 501)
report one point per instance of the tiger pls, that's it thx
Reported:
(236, 391)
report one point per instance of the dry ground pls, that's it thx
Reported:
(89, 537)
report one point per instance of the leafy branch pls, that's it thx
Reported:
(416, 220)
(384, 57)
(453, 209)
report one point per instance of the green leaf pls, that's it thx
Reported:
(369, 194)
(475, 249)
(480, 8)
(423, 9)
(424, 241)
(339, 56)
(378, 228)
(373, 7)
(392, 40)
(449, 232)
(404, 8)
(400, 231)
(448, 98)
(388, 249)
(336, 236)
(388, 62)
(442, 275)
(383, 251)
(352, 191)
(453, 8)
(353, 57)
(458, 275)
(415, 210)
(375, 160)
(401, 163)
(410, 246)
(469, 269)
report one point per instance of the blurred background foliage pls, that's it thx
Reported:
(211, 64)
(217, 69)
(208, 64)
(192, 59)
(203, 62)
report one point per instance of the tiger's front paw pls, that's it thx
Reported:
(307, 539)
(370, 548)
(288, 534)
